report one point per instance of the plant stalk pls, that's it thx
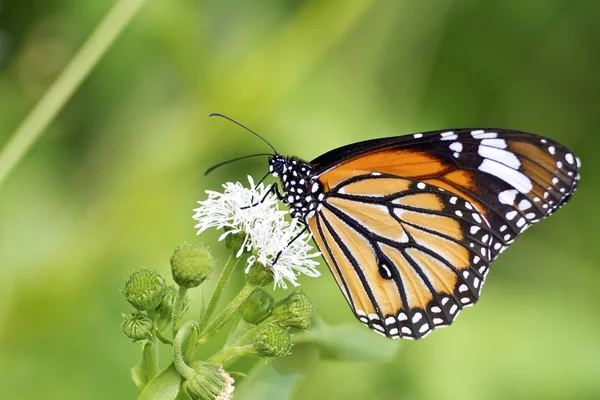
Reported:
(61, 90)
(224, 316)
(230, 352)
(178, 309)
(225, 275)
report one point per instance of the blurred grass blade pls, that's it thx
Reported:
(67, 82)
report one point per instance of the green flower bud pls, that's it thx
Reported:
(137, 326)
(294, 311)
(165, 308)
(258, 275)
(191, 265)
(209, 382)
(144, 289)
(257, 306)
(272, 341)
(234, 241)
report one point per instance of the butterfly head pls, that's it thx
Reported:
(301, 191)
(289, 169)
(278, 165)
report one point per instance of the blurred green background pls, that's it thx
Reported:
(112, 184)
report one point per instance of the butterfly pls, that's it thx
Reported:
(409, 225)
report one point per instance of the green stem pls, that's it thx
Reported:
(178, 308)
(230, 352)
(225, 275)
(66, 83)
(224, 316)
(150, 353)
(160, 337)
(178, 349)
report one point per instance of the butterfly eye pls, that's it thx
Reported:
(277, 165)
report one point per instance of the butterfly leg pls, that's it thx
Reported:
(291, 241)
(273, 189)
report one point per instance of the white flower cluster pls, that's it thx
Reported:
(253, 212)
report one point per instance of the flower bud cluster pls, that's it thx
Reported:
(275, 322)
(147, 291)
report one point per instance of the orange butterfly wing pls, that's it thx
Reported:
(409, 225)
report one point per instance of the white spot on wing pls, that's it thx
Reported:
(418, 135)
(524, 205)
(417, 317)
(507, 196)
(497, 143)
(456, 146)
(450, 135)
(513, 177)
(502, 156)
(480, 134)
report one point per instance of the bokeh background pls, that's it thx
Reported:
(112, 183)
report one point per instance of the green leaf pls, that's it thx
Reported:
(138, 376)
(264, 382)
(303, 357)
(164, 387)
(349, 342)
(149, 365)
(183, 394)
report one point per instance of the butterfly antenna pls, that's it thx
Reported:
(246, 128)
(233, 160)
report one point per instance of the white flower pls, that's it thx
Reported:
(227, 391)
(255, 213)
